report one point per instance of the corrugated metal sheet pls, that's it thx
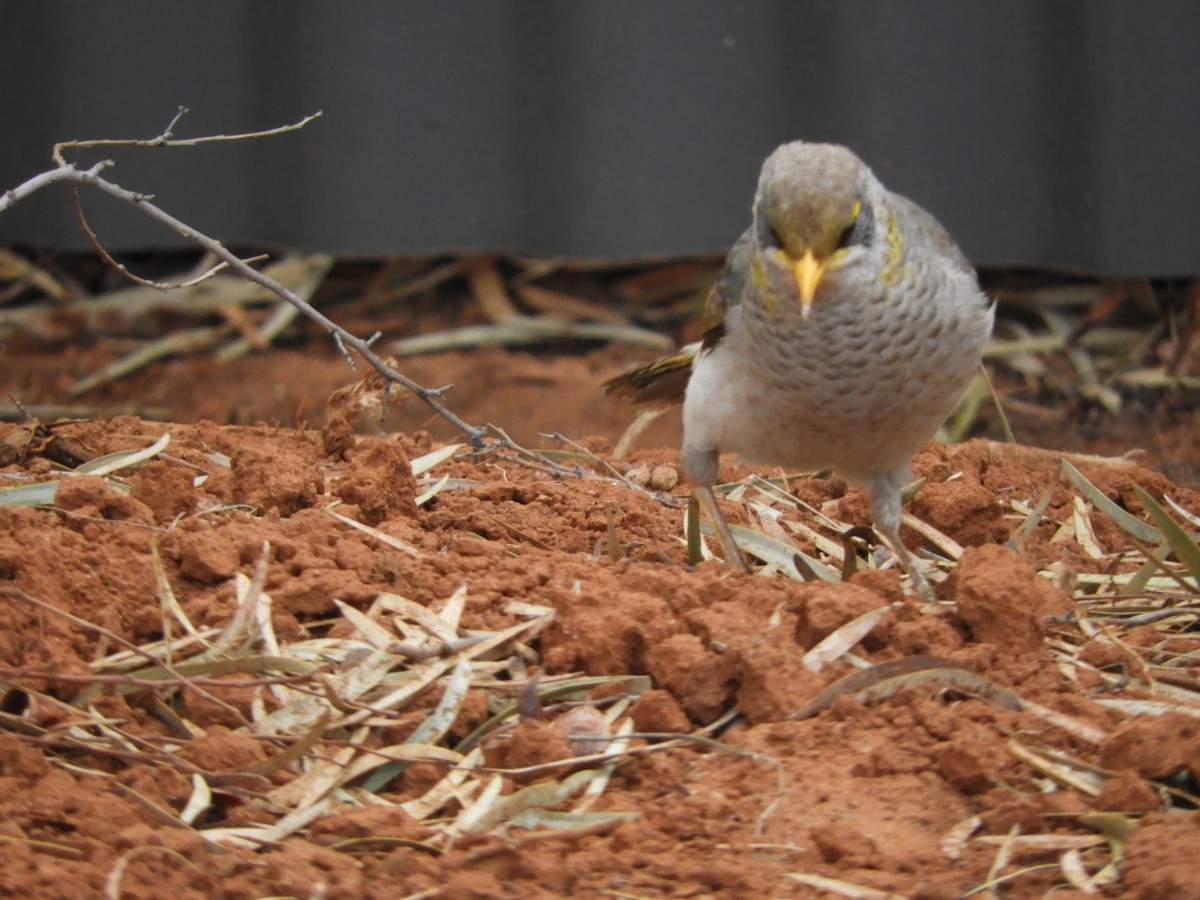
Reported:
(1043, 132)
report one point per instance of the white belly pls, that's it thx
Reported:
(833, 393)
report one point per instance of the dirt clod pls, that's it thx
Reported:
(864, 791)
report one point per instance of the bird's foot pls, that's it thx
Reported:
(733, 555)
(920, 584)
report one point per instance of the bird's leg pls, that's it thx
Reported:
(708, 500)
(919, 582)
(700, 468)
(885, 512)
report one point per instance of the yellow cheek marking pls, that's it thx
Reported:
(893, 269)
(762, 285)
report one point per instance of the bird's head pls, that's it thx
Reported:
(814, 204)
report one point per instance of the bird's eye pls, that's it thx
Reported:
(860, 229)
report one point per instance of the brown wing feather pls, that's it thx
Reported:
(664, 380)
(660, 382)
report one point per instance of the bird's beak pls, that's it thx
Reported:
(808, 272)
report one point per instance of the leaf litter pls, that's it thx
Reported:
(281, 706)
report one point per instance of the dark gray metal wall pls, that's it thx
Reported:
(1042, 132)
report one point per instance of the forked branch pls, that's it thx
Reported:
(68, 173)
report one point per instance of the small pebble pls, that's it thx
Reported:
(664, 478)
(639, 474)
(585, 729)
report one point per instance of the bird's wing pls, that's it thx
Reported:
(727, 293)
(660, 383)
(663, 381)
(927, 230)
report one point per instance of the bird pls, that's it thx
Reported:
(842, 331)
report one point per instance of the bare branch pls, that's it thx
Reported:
(70, 175)
(166, 140)
(358, 345)
(37, 182)
(346, 341)
(81, 221)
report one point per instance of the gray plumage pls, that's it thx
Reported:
(841, 333)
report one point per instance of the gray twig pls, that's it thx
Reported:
(68, 173)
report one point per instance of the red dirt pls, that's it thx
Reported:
(868, 794)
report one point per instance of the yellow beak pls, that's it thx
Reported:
(808, 274)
